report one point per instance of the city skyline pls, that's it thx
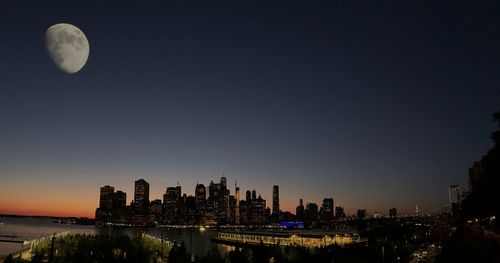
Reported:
(375, 105)
(217, 206)
(130, 191)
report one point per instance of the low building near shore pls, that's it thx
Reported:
(290, 238)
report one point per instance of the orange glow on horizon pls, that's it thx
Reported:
(80, 198)
(48, 212)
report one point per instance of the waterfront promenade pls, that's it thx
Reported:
(27, 245)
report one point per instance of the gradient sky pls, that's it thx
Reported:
(377, 104)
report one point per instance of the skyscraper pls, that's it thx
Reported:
(327, 210)
(339, 212)
(200, 194)
(106, 197)
(258, 211)
(237, 196)
(248, 196)
(276, 200)
(141, 195)
(299, 211)
(223, 181)
(119, 199)
(311, 214)
(171, 201)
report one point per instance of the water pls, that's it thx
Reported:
(32, 228)
(201, 240)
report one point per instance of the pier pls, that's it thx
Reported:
(304, 238)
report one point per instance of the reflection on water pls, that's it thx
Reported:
(32, 228)
(200, 241)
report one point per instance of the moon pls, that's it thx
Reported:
(67, 46)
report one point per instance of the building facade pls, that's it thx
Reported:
(141, 195)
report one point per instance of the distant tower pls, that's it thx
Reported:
(254, 195)
(454, 195)
(417, 211)
(299, 211)
(223, 181)
(276, 200)
(248, 196)
(178, 187)
(200, 193)
(237, 196)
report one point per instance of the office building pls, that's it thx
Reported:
(141, 195)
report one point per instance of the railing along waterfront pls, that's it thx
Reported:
(37, 241)
(27, 245)
(167, 243)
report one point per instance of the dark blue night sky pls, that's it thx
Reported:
(378, 104)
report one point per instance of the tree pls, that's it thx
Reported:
(178, 254)
(482, 201)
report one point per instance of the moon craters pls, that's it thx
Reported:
(67, 46)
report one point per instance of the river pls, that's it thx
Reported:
(28, 228)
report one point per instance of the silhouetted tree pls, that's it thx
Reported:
(483, 200)
(212, 256)
(237, 256)
(178, 254)
(470, 244)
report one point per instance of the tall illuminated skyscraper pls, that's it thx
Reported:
(237, 196)
(141, 194)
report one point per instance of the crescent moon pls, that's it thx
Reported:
(67, 46)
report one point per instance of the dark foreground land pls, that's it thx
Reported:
(82, 248)
(471, 242)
